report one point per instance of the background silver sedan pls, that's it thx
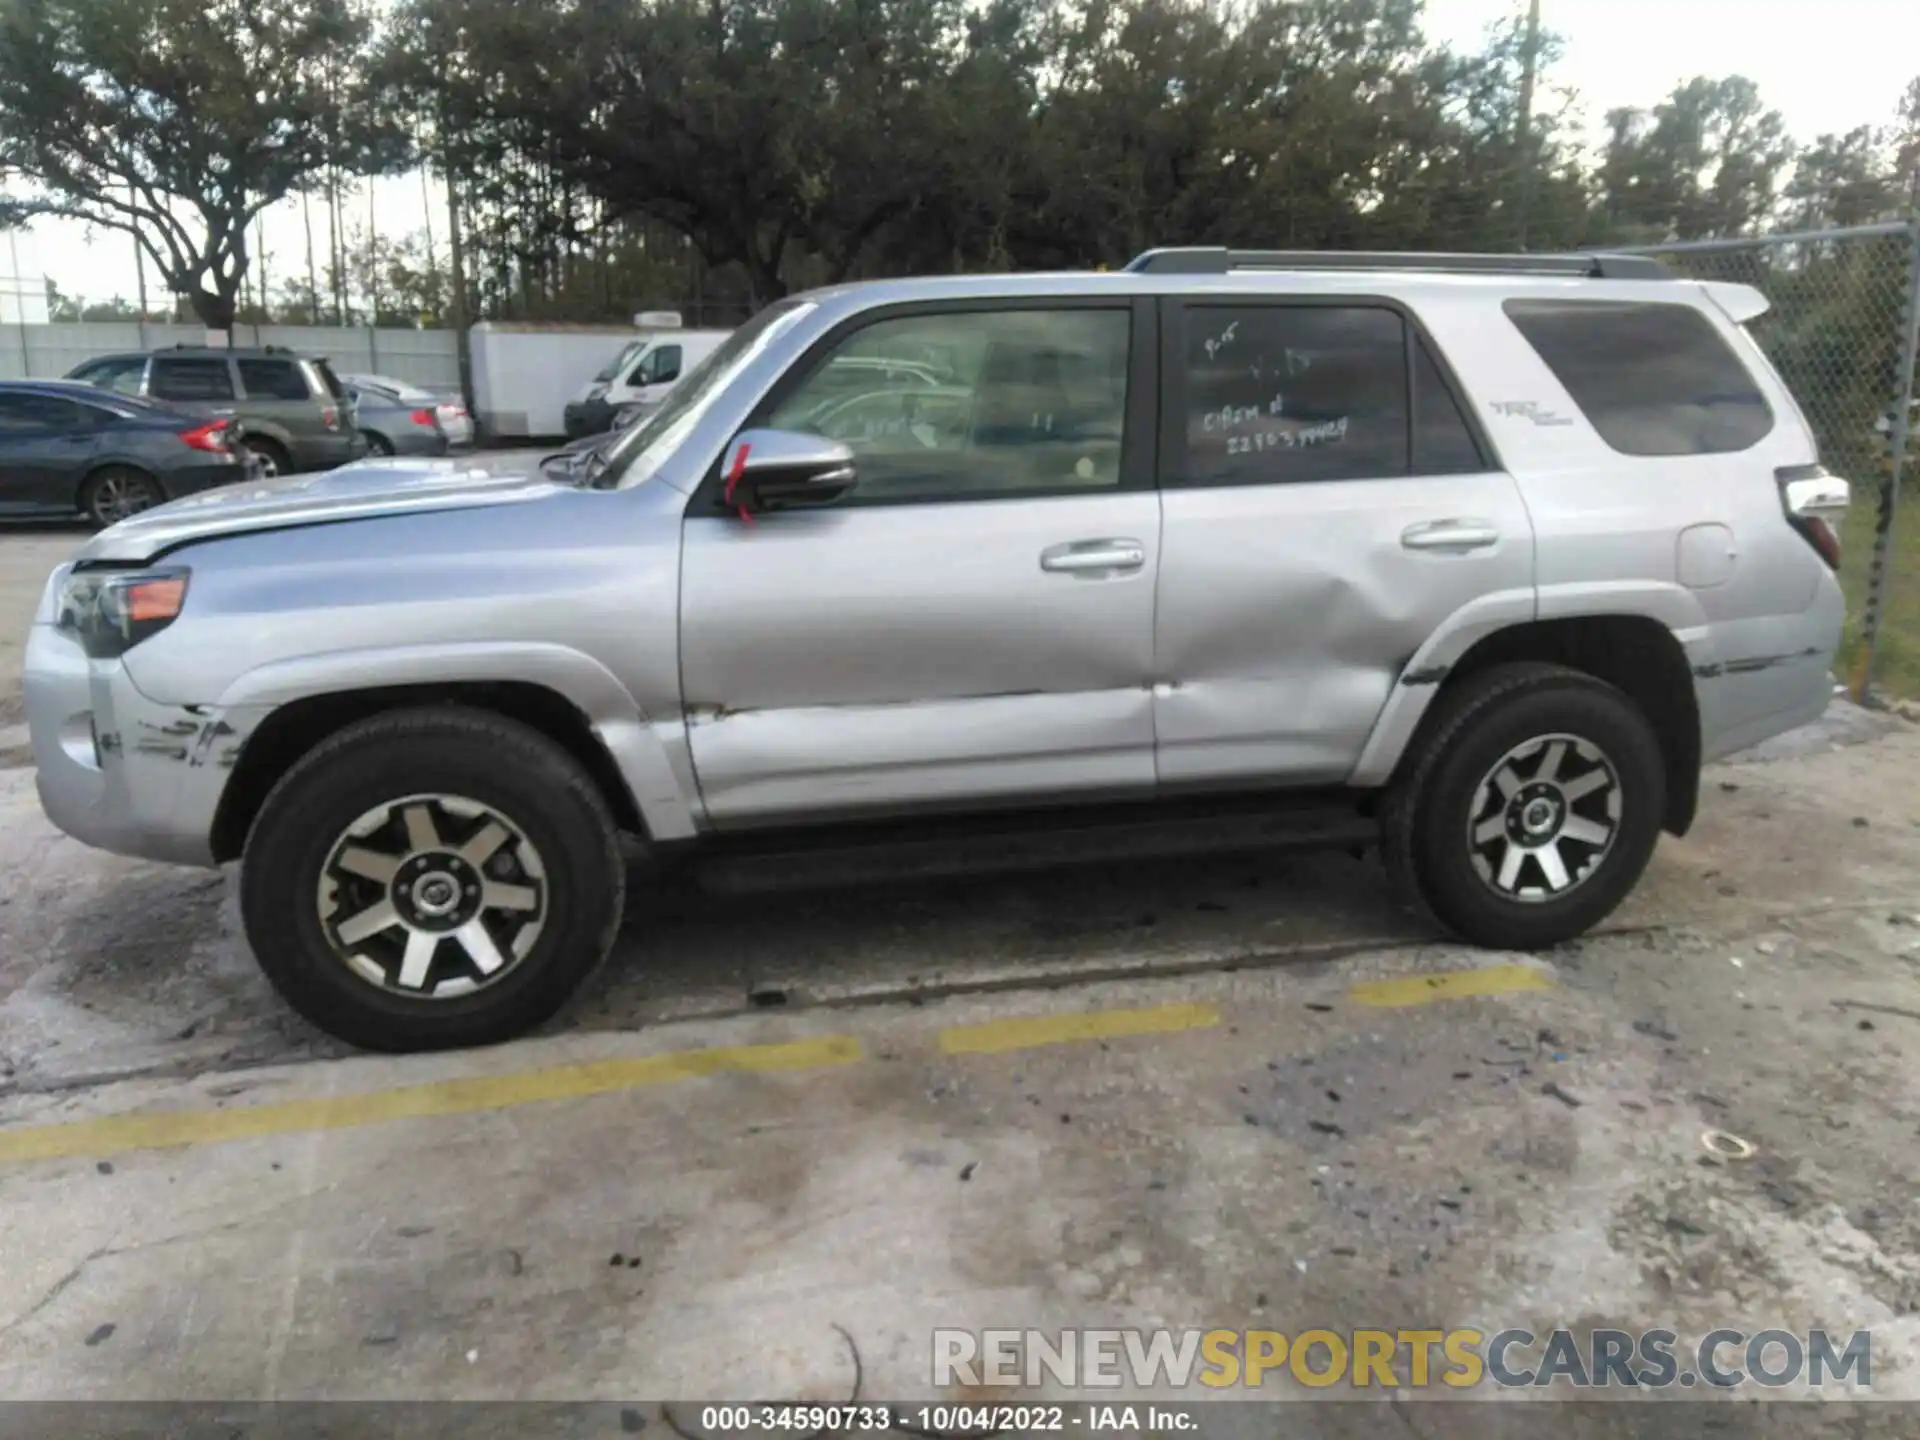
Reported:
(449, 412)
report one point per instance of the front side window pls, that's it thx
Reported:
(122, 377)
(273, 380)
(1281, 394)
(176, 378)
(33, 415)
(658, 365)
(1652, 379)
(604, 375)
(971, 404)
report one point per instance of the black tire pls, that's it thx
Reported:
(377, 444)
(114, 492)
(1449, 789)
(508, 768)
(272, 455)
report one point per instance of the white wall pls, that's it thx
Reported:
(41, 351)
(23, 289)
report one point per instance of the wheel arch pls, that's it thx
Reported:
(101, 464)
(1637, 654)
(566, 695)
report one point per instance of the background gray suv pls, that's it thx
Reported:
(1475, 559)
(291, 410)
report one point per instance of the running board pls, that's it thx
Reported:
(1028, 840)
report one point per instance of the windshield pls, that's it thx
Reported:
(633, 457)
(619, 362)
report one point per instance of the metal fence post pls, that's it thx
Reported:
(1900, 434)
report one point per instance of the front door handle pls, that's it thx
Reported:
(1081, 557)
(1451, 535)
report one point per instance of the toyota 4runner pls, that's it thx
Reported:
(1477, 559)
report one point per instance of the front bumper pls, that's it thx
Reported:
(118, 771)
(587, 417)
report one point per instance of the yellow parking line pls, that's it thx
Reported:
(1405, 990)
(165, 1128)
(1027, 1033)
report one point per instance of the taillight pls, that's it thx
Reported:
(423, 417)
(330, 417)
(1816, 503)
(211, 437)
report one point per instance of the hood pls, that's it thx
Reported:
(359, 491)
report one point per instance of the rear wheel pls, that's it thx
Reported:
(432, 878)
(377, 444)
(112, 494)
(272, 459)
(1531, 809)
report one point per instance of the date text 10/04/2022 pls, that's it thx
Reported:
(974, 1419)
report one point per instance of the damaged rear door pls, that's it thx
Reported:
(1329, 503)
(974, 622)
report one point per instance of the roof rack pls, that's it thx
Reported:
(1218, 260)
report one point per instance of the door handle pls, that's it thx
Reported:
(1450, 535)
(1080, 557)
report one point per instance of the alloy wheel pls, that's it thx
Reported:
(117, 496)
(1544, 818)
(433, 896)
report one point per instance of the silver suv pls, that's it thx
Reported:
(1478, 559)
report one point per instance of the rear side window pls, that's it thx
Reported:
(273, 380)
(177, 378)
(1286, 394)
(1295, 393)
(1652, 379)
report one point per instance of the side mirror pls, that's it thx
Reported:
(785, 470)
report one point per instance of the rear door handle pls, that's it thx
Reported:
(1081, 557)
(1450, 535)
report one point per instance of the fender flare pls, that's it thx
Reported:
(1672, 605)
(638, 747)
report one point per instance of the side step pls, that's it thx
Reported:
(1025, 840)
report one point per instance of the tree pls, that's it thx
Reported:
(1706, 162)
(178, 121)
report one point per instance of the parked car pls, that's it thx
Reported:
(642, 374)
(450, 411)
(291, 411)
(391, 425)
(1476, 560)
(67, 449)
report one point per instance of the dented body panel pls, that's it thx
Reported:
(1289, 613)
(870, 659)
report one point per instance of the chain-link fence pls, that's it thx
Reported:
(1844, 305)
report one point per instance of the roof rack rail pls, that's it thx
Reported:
(1218, 260)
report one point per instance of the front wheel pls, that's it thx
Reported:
(1531, 809)
(113, 494)
(432, 878)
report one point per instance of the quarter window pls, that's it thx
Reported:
(972, 404)
(1652, 379)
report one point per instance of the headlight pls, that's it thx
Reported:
(111, 611)
(596, 392)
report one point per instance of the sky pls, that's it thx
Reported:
(1826, 65)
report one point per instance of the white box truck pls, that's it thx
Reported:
(523, 373)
